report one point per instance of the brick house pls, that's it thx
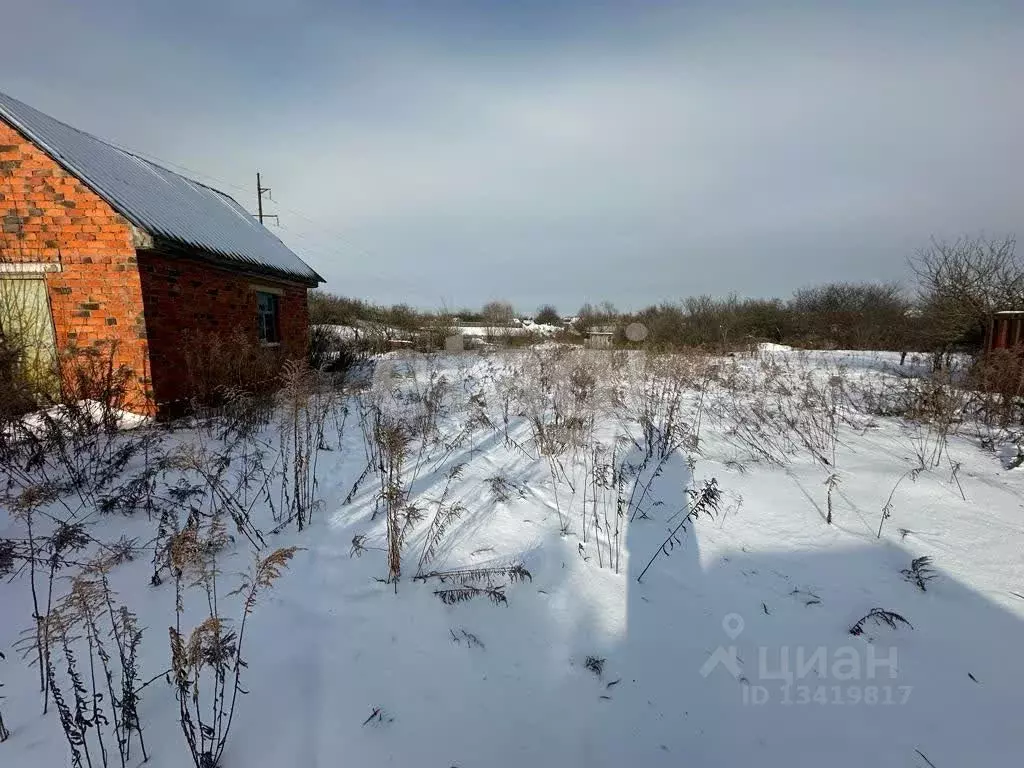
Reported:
(110, 247)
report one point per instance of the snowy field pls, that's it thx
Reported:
(529, 491)
(383, 331)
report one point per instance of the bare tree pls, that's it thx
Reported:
(961, 283)
(589, 315)
(548, 315)
(497, 313)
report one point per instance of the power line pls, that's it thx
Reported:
(312, 246)
(222, 183)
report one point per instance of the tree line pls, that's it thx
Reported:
(959, 284)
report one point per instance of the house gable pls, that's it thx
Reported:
(51, 222)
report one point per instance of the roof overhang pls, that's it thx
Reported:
(163, 247)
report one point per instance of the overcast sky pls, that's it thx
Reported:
(446, 153)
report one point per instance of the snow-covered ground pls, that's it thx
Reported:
(735, 647)
(515, 330)
(370, 331)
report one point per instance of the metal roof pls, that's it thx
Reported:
(165, 204)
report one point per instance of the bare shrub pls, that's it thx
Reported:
(222, 488)
(560, 401)
(332, 353)
(207, 662)
(608, 477)
(217, 363)
(102, 688)
(935, 407)
(750, 410)
(401, 425)
(502, 489)
(305, 401)
(998, 383)
(446, 513)
(850, 316)
(393, 441)
(62, 464)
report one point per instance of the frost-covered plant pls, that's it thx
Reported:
(4, 733)
(462, 636)
(705, 501)
(61, 466)
(887, 507)
(97, 695)
(446, 512)
(207, 663)
(67, 538)
(464, 584)
(502, 488)
(831, 483)
(304, 403)
(595, 664)
(920, 572)
(932, 407)
(881, 617)
(750, 410)
(559, 400)
(223, 479)
(393, 441)
(653, 398)
(401, 421)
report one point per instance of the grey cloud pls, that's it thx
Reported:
(636, 162)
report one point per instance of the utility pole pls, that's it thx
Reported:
(259, 196)
(260, 189)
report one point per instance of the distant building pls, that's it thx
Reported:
(600, 336)
(455, 343)
(1006, 331)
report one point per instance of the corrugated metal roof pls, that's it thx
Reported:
(163, 203)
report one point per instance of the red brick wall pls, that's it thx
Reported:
(47, 215)
(188, 301)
